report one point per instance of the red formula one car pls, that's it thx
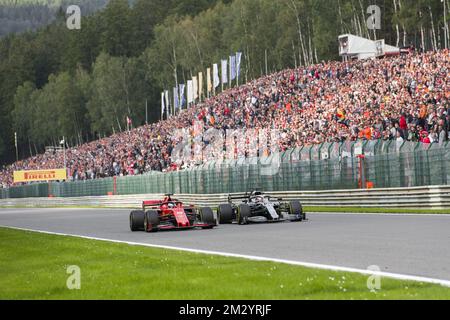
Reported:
(170, 214)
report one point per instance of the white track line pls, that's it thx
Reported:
(397, 276)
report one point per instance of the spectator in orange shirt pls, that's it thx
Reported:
(289, 107)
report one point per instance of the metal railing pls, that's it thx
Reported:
(437, 197)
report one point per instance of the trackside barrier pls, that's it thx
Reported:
(329, 166)
(436, 197)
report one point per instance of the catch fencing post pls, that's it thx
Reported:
(50, 195)
(362, 174)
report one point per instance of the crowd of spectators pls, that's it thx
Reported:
(402, 98)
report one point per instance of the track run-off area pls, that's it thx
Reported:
(414, 247)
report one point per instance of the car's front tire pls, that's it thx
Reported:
(243, 213)
(151, 221)
(296, 209)
(137, 220)
(207, 217)
(225, 213)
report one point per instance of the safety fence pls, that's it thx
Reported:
(329, 166)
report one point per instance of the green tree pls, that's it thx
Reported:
(24, 110)
(111, 95)
(117, 28)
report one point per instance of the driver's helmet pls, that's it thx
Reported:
(171, 205)
(258, 199)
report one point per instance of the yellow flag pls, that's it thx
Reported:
(208, 80)
(195, 87)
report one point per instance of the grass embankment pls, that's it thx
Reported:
(34, 266)
(376, 210)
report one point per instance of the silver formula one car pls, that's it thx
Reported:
(256, 207)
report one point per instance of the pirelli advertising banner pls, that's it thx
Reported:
(39, 175)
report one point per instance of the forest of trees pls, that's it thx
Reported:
(17, 16)
(82, 84)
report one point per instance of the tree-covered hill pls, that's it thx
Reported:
(17, 16)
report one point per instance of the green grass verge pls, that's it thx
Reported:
(375, 210)
(33, 266)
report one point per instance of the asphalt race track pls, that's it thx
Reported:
(406, 244)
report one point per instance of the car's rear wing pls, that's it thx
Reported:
(237, 198)
(151, 204)
(156, 204)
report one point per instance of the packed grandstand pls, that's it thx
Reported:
(403, 98)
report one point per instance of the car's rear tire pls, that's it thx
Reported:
(243, 213)
(225, 213)
(137, 220)
(207, 217)
(151, 221)
(296, 208)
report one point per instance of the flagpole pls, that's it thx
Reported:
(163, 105)
(17, 150)
(265, 56)
(64, 152)
(146, 111)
